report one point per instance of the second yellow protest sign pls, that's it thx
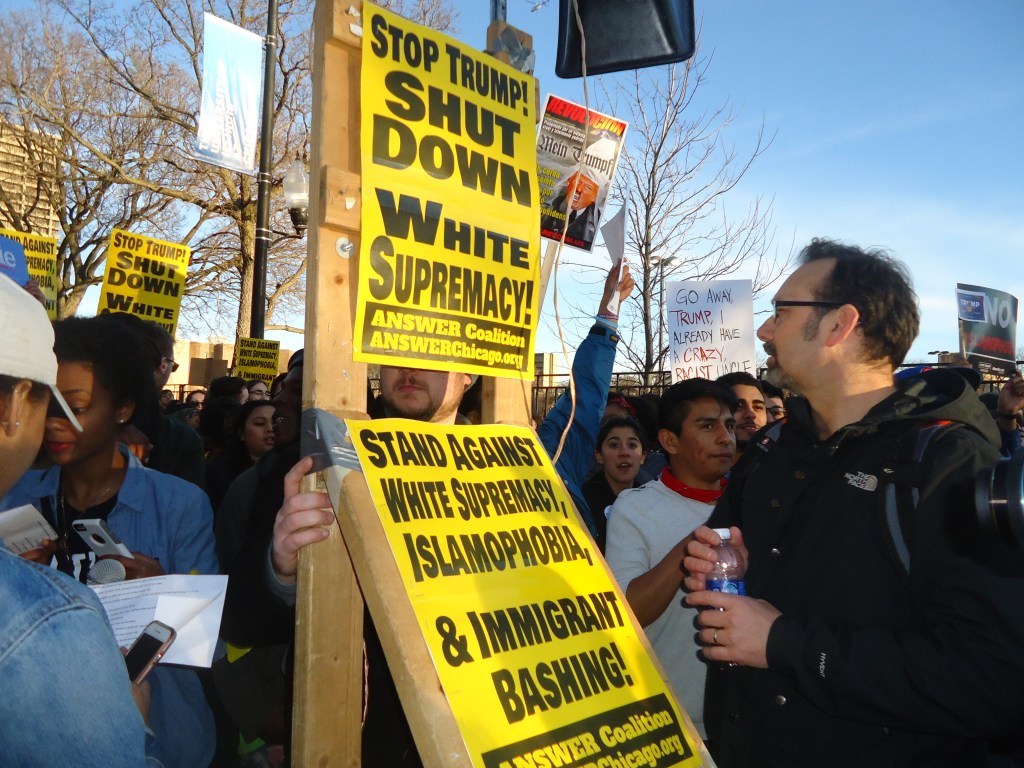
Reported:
(449, 253)
(41, 261)
(530, 635)
(256, 359)
(144, 277)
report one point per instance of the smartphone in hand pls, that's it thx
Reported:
(101, 540)
(148, 649)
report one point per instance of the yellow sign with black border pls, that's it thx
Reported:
(450, 242)
(535, 647)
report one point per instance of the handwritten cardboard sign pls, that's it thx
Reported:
(711, 328)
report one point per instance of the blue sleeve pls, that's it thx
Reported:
(194, 548)
(592, 372)
(68, 694)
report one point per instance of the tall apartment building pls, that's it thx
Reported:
(26, 164)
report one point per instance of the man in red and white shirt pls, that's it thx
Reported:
(648, 527)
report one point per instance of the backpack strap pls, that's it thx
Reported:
(903, 481)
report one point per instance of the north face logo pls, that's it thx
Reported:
(861, 480)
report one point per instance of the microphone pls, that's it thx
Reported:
(106, 571)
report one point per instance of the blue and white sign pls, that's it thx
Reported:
(12, 260)
(988, 328)
(232, 85)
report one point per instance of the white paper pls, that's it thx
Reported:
(614, 233)
(192, 605)
(24, 528)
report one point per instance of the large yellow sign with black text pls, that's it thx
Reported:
(144, 277)
(449, 253)
(533, 642)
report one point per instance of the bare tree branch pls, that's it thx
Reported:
(677, 170)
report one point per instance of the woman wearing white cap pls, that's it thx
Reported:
(103, 372)
(67, 694)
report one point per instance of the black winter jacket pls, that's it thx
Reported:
(868, 667)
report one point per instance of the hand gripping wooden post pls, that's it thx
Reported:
(329, 612)
(328, 647)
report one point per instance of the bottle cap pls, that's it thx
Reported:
(723, 533)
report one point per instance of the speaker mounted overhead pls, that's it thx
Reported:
(623, 34)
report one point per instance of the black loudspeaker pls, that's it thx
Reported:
(623, 34)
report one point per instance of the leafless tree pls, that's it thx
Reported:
(677, 169)
(59, 112)
(116, 88)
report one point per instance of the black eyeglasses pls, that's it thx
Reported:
(776, 305)
(776, 411)
(174, 365)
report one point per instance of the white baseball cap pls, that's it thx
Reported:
(27, 348)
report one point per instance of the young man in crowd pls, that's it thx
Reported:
(649, 526)
(751, 412)
(774, 401)
(838, 655)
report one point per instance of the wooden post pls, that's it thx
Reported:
(329, 620)
(329, 661)
(509, 401)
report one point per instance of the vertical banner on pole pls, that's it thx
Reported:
(229, 113)
(41, 263)
(450, 247)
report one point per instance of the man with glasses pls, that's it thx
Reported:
(774, 401)
(836, 656)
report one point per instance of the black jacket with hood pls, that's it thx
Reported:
(869, 666)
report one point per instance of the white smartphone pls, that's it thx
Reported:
(148, 649)
(101, 540)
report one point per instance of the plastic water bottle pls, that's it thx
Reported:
(727, 574)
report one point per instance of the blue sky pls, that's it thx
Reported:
(896, 124)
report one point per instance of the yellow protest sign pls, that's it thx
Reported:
(450, 246)
(144, 277)
(535, 647)
(256, 359)
(41, 260)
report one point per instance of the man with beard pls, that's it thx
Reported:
(266, 520)
(836, 655)
(751, 413)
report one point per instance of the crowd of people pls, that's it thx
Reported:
(838, 654)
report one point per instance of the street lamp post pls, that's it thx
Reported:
(662, 263)
(296, 194)
(258, 312)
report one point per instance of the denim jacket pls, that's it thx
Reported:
(170, 520)
(67, 699)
